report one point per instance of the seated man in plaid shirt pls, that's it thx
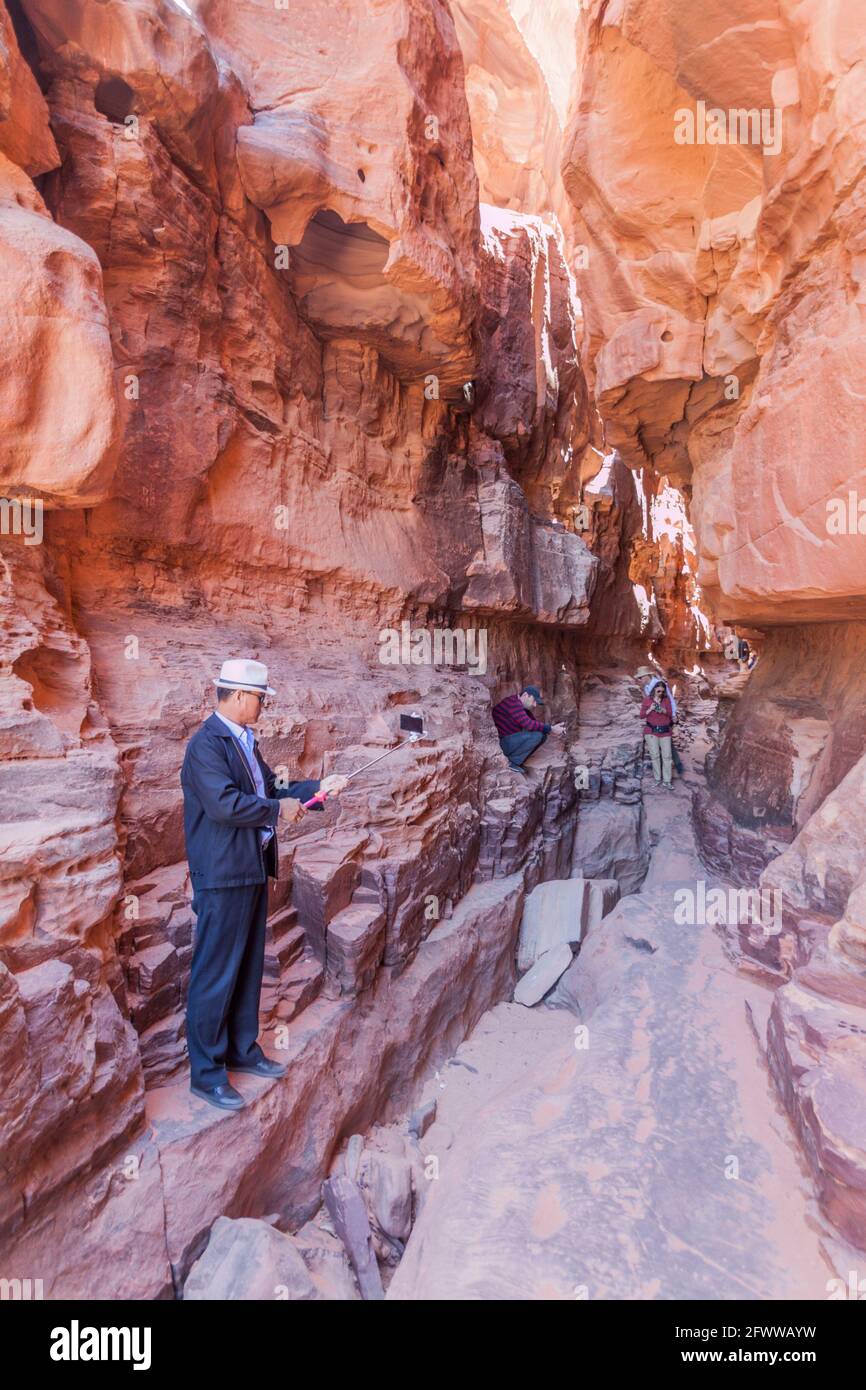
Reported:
(519, 733)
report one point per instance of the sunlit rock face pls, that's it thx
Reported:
(57, 392)
(359, 151)
(517, 92)
(715, 156)
(723, 287)
(25, 134)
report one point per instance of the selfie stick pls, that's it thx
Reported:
(323, 796)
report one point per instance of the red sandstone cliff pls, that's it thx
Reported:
(723, 302)
(318, 326)
(245, 300)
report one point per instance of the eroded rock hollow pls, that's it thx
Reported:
(406, 349)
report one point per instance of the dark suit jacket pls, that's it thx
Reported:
(223, 814)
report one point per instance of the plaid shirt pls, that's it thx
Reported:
(510, 717)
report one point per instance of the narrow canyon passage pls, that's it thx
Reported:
(648, 1157)
(466, 367)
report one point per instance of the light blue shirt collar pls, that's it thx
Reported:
(239, 730)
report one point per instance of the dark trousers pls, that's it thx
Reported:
(225, 982)
(517, 747)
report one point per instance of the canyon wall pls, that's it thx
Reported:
(714, 156)
(281, 383)
(334, 332)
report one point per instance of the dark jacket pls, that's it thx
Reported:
(223, 814)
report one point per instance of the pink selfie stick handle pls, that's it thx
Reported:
(315, 800)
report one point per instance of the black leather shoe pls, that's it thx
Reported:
(263, 1067)
(223, 1097)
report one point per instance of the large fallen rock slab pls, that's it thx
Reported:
(247, 1260)
(533, 986)
(347, 1211)
(562, 910)
(328, 1263)
(386, 1184)
(553, 913)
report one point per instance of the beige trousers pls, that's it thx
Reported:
(660, 754)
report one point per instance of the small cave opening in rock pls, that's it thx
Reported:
(338, 276)
(114, 98)
(351, 250)
(58, 689)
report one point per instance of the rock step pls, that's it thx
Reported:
(285, 942)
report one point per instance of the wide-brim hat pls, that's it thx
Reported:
(240, 674)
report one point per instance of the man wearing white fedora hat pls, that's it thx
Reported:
(231, 805)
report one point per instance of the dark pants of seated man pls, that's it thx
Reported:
(517, 747)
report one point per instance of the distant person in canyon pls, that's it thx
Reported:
(231, 805)
(657, 714)
(647, 690)
(520, 734)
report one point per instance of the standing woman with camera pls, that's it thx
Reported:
(657, 714)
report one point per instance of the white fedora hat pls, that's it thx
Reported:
(240, 674)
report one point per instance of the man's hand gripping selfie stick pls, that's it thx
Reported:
(413, 724)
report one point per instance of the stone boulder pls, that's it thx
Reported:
(248, 1260)
(533, 986)
(612, 843)
(562, 910)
